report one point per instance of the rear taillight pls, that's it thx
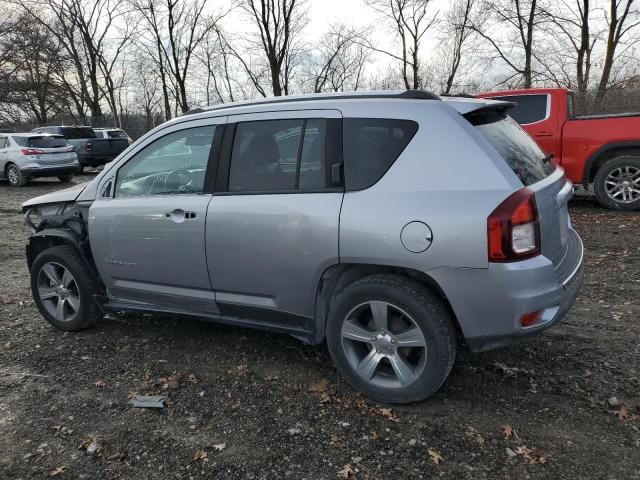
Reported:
(513, 229)
(32, 151)
(88, 146)
(70, 149)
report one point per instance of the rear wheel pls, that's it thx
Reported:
(65, 178)
(391, 339)
(617, 183)
(64, 289)
(15, 177)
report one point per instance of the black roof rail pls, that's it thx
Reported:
(408, 94)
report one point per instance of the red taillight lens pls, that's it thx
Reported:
(513, 229)
(88, 146)
(70, 149)
(31, 151)
(529, 319)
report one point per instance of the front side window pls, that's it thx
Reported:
(278, 155)
(528, 109)
(3, 142)
(371, 146)
(173, 164)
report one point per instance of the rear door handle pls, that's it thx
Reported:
(543, 134)
(178, 215)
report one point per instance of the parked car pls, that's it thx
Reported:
(27, 155)
(386, 224)
(92, 151)
(112, 133)
(599, 149)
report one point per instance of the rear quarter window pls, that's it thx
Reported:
(512, 143)
(371, 146)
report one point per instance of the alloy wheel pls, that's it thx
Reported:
(58, 291)
(384, 345)
(13, 175)
(623, 184)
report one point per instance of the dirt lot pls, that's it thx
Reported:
(266, 406)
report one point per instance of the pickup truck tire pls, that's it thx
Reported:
(617, 183)
(64, 289)
(65, 178)
(391, 338)
(15, 177)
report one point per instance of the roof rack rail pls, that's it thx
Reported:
(408, 94)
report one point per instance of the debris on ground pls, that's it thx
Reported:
(148, 401)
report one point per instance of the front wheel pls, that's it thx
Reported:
(391, 338)
(617, 183)
(64, 289)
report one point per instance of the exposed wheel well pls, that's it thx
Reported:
(337, 277)
(607, 155)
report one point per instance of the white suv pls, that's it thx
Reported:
(29, 155)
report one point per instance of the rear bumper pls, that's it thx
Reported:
(91, 160)
(489, 303)
(53, 171)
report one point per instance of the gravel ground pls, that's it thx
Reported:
(246, 405)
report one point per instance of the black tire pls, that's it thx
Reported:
(599, 183)
(15, 177)
(88, 312)
(65, 178)
(428, 313)
(81, 169)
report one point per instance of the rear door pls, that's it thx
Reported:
(4, 155)
(535, 113)
(272, 229)
(147, 228)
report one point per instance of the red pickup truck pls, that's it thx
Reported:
(599, 149)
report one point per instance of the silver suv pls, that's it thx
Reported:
(394, 226)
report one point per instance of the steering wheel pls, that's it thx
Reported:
(180, 180)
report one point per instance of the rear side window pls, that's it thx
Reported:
(116, 134)
(74, 133)
(518, 149)
(371, 145)
(278, 155)
(528, 109)
(42, 142)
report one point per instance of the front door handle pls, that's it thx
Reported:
(178, 215)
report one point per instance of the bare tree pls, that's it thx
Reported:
(339, 61)
(215, 55)
(279, 24)
(457, 29)
(410, 21)
(511, 34)
(622, 19)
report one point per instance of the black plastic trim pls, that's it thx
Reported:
(407, 94)
(214, 159)
(594, 156)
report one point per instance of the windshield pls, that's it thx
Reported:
(57, 141)
(521, 153)
(116, 134)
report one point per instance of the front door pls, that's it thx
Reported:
(273, 229)
(147, 228)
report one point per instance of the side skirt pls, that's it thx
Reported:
(257, 322)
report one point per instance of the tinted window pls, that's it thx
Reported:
(3, 142)
(78, 132)
(42, 142)
(116, 134)
(371, 146)
(523, 155)
(266, 155)
(173, 164)
(528, 109)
